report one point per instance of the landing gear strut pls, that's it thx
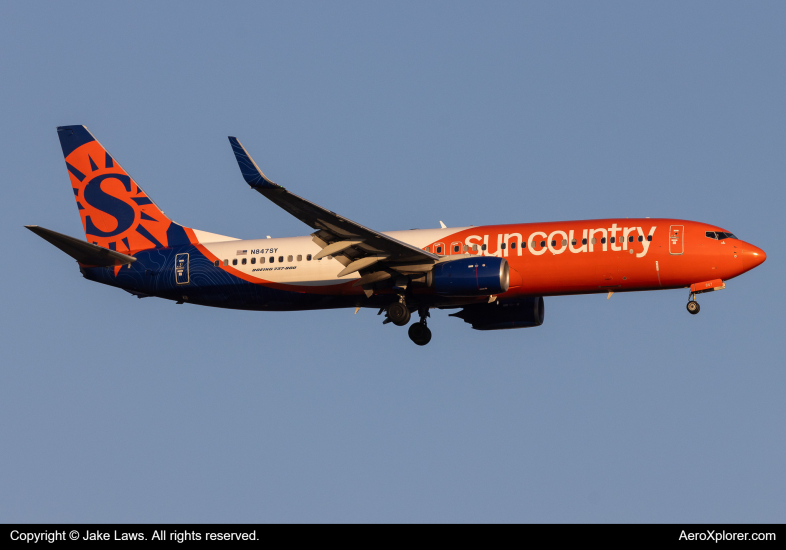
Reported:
(419, 332)
(693, 305)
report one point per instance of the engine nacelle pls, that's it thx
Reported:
(477, 276)
(523, 313)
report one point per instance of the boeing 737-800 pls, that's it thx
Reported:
(495, 276)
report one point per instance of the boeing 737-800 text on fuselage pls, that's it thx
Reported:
(494, 275)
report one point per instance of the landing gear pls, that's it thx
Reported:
(398, 313)
(419, 332)
(693, 305)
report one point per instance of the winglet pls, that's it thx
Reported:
(251, 172)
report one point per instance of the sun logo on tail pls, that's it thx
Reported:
(116, 213)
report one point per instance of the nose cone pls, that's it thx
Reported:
(752, 256)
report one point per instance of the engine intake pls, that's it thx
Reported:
(523, 313)
(478, 276)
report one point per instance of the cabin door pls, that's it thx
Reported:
(181, 269)
(676, 239)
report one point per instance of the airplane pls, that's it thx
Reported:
(495, 276)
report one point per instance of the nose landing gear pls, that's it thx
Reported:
(419, 332)
(699, 288)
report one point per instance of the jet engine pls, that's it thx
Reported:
(522, 313)
(474, 276)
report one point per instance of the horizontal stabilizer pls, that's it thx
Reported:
(83, 252)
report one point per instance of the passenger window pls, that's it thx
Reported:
(262, 260)
(553, 243)
(243, 261)
(483, 247)
(594, 240)
(611, 240)
(649, 237)
(602, 240)
(542, 244)
(584, 241)
(523, 245)
(226, 262)
(300, 257)
(564, 242)
(439, 250)
(289, 258)
(573, 242)
(456, 248)
(630, 239)
(512, 246)
(217, 263)
(253, 260)
(428, 249)
(534, 244)
(474, 248)
(308, 257)
(641, 239)
(234, 262)
(281, 259)
(272, 259)
(466, 248)
(502, 246)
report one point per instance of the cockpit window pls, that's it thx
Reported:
(719, 235)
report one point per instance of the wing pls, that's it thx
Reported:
(359, 249)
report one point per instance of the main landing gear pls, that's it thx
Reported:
(398, 313)
(419, 332)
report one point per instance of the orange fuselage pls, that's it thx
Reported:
(579, 257)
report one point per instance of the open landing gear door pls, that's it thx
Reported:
(707, 286)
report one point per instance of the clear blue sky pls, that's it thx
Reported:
(396, 115)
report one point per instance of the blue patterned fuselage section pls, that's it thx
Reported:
(155, 273)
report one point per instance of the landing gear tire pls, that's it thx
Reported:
(398, 314)
(420, 334)
(693, 307)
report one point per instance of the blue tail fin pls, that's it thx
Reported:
(116, 213)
